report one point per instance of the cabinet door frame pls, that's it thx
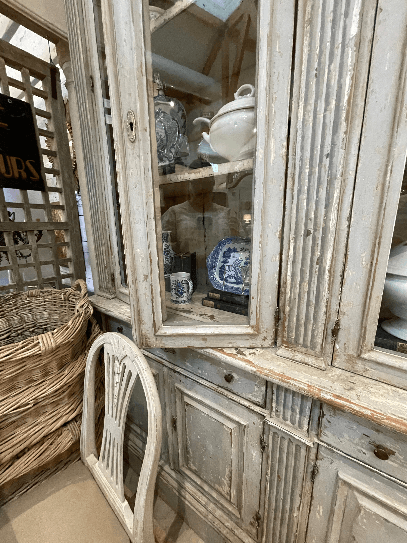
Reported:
(93, 154)
(126, 54)
(246, 427)
(376, 193)
(338, 481)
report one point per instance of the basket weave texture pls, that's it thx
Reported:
(45, 336)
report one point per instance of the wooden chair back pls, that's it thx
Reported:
(124, 363)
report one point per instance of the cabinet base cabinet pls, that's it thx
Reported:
(353, 504)
(234, 475)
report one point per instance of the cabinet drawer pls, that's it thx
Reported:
(246, 385)
(370, 443)
(116, 325)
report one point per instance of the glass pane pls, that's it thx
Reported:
(392, 327)
(202, 109)
(110, 141)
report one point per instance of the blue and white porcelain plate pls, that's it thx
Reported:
(229, 265)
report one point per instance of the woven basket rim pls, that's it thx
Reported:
(83, 310)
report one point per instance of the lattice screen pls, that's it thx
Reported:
(40, 243)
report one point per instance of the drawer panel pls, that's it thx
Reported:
(246, 385)
(360, 439)
(116, 325)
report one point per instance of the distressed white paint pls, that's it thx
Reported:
(329, 91)
(125, 51)
(353, 505)
(376, 194)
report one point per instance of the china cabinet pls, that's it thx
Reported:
(285, 421)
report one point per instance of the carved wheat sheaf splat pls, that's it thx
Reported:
(124, 363)
(120, 379)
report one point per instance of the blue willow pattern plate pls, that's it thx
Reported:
(229, 265)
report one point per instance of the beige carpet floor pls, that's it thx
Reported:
(69, 508)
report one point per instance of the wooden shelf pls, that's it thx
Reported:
(191, 175)
(195, 311)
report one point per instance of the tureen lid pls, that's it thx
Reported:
(242, 101)
(398, 260)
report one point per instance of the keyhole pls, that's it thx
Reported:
(131, 126)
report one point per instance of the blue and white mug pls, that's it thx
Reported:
(181, 288)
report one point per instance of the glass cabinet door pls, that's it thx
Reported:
(200, 101)
(372, 321)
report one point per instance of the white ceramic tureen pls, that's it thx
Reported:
(232, 132)
(395, 291)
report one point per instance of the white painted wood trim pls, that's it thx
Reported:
(331, 66)
(376, 195)
(125, 51)
(95, 168)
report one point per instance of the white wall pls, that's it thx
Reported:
(46, 17)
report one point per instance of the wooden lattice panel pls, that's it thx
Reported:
(40, 243)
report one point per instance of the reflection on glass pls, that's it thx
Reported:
(392, 328)
(110, 142)
(202, 84)
(202, 88)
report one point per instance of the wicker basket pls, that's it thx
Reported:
(44, 341)
(40, 331)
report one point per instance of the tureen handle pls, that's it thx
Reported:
(247, 86)
(208, 122)
(203, 119)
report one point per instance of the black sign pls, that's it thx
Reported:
(20, 159)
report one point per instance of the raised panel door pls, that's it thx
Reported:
(352, 504)
(218, 450)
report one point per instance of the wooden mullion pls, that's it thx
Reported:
(11, 247)
(19, 205)
(63, 165)
(240, 51)
(45, 133)
(54, 248)
(15, 83)
(53, 171)
(34, 225)
(48, 245)
(30, 99)
(42, 113)
(61, 260)
(48, 152)
(225, 70)
(26, 264)
(8, 236)
(31, 238)
(40, 93)
(4, 78)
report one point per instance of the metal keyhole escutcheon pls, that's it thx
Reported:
(131, 126)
